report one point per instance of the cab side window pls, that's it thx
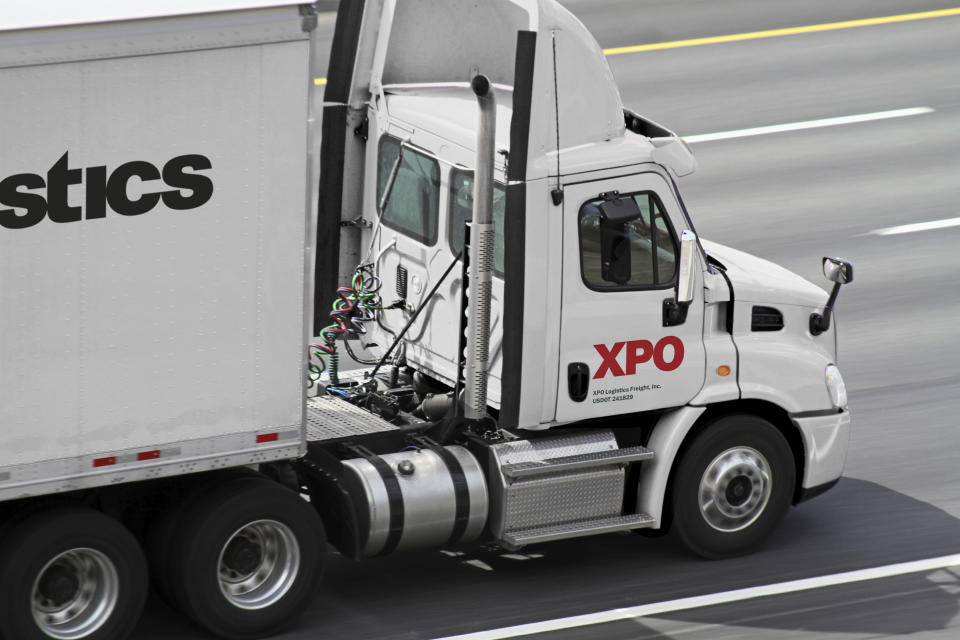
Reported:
(414, 201)
(644, 249)
(461, 210)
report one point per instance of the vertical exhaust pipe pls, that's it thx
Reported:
(481, 255)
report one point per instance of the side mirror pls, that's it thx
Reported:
(686, 276)
(615, 214)
(675, 309)
(837, 271)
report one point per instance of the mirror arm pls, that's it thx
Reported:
(821, 322)
(674, 312)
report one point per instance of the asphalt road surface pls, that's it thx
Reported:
(791, 197)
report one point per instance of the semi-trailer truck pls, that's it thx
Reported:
(546, 348)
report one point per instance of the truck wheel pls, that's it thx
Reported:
(71, 574)
(249, 555)
(732, 486)
(160, 538)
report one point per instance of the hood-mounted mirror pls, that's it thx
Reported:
(839, 272)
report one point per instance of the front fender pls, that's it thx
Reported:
(665, 441)
(785, 367)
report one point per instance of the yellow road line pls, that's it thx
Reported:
(770, 33)
(773, 33)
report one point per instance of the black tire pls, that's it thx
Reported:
(95, 544)
(161, 534)
(727, 515)
(207, 526)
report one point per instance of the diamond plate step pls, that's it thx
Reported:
(580, 461)
(330, 418)
(522, 537)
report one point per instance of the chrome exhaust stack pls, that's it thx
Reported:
(481, 255)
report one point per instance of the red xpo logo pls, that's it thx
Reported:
(638, 352)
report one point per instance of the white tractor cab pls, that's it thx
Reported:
(592, 363)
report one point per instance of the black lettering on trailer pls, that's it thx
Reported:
(12, 196)
(96, 181)
(117, 195)
(175, 175)
(59, 178)
(190, 190)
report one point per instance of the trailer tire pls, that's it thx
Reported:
(249, 555)
(71, 572)
(160, 539)
(732, 486)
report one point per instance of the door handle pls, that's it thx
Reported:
(578, 381)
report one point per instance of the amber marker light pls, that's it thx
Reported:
(723, 370)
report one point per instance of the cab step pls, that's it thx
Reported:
(523, 537)
(579, 461)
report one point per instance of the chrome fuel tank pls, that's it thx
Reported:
(417, 498)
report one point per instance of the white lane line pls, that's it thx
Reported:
(916, 226)
(724, 597)
(808, 124)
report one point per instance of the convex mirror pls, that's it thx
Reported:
(838, 270)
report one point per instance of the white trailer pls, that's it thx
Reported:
(550, 350)
(153, 302)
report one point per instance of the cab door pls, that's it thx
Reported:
(616, 355)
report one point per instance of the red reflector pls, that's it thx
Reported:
(149, 455)
(268, 437)
(105, 462)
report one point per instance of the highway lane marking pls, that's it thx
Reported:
(769, 33)
(723, 597)
(808, 124)
(789, 31)
(916, 226)
(783, 613)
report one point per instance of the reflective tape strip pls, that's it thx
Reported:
(275, 436)
(50, 475)
(146, 456)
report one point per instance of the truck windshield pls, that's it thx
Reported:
(461, 210)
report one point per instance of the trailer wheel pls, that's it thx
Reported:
(249, 555)
(732, 486)
(71, 574)
(160, 539)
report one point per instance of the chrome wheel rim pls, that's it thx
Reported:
(75, 594)
(735, 489)
(258, 564)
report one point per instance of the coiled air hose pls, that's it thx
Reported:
(354, 306)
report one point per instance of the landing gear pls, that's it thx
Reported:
(732, 486)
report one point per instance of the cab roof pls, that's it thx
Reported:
(419, 42)
(449, 111)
